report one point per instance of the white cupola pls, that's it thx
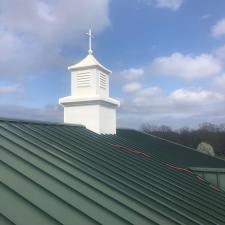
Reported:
(89, 103)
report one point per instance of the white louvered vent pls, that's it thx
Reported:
(102, 80)
(83, 79)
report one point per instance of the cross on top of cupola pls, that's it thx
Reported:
(90, 36)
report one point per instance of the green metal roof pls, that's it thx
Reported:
(61, 174)
(169, 151)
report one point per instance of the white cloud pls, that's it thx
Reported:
(48, 113)
(45, 12)
(195, 97)
(219, 83)
(150, 91)
(196, 102)
(187, 106)
(132, 73)
(147, 94)
(186, 66)
(182, 102)
(206, 16)
(218, 29)
(170, 4)
(131, 87)
(34, 34)
(10, 89)
(220, 53)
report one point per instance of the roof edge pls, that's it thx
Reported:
(208, 169)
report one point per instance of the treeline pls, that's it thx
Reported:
(207, 132)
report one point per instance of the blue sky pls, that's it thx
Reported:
(167, 57)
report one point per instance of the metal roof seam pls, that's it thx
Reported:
(6, 186)
(68, 186)
(171, 217)
(71, 162)
(164, 204)
(167, 215)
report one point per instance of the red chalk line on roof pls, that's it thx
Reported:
(127, 149)
(181, 169)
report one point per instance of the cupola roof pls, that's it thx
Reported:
(89, 61)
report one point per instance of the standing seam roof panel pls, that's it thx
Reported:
(90, 167)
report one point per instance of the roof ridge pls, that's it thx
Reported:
(20, 120)
(152, 135)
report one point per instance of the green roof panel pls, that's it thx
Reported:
(63, 174)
